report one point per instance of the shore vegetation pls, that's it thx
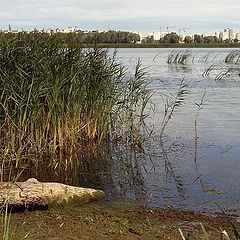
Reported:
(55, 100)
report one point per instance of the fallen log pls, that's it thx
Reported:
(33, 194)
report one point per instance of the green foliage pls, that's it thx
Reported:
(188, 39)
(210, 39)
(171, 38)
(55, 99)
(91, 37)
(236, 40)
(149, 40)
(198, 38)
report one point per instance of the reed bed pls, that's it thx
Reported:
(186, 56)
(233, 57)
(179, 57)
(55, 98)
(222, 72)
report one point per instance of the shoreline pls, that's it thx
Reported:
(168, 45)
(114, 220)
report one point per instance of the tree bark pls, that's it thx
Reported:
(33, 193)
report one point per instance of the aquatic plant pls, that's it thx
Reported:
(172, 103)
(209, 70)
(233, 57)
(56, 98)
(232, 72)
(179, 57)
(204, 58)
(220, 72)
(199, 108)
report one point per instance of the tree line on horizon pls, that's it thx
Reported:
(93, 37)
(174, 38)
(123, 37)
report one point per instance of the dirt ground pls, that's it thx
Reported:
(112, 220)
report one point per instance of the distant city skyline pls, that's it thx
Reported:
(145, 15)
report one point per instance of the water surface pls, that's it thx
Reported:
(176, 172)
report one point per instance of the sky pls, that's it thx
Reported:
(198, 16)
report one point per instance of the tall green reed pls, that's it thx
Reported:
(55, 97)
(233, 57)
(222, 72)
(172, 103)
(179, 56)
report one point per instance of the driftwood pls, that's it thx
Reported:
(32, 194)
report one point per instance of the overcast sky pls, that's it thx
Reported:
(145, 15)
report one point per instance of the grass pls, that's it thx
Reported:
(55, 100)
(208, 230)
(115, 220)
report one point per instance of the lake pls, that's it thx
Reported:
(177, 172)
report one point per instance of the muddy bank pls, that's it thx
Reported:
(115, 220)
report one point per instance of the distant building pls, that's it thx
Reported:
(217, 34)
(68, 30)
(224, 35)
(156, 35)
(16, 30)
(231, 34)
(48, 30)
(206, 34)
(238, 36)
(228, 33)
(142, 35)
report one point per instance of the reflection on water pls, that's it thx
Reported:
(89, 167)
(173, 174)
(173, 171)
(177, 68)
(115, 168)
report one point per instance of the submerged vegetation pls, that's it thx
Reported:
(179, 57)
(233, 57)
(222, 71)
(220, 68)
(55, 100)
(172, 103)
(229, 67)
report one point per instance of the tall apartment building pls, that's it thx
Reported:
(223, 35)
(228, 33)
(231, 34)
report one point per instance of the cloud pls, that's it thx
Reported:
(140, 14)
